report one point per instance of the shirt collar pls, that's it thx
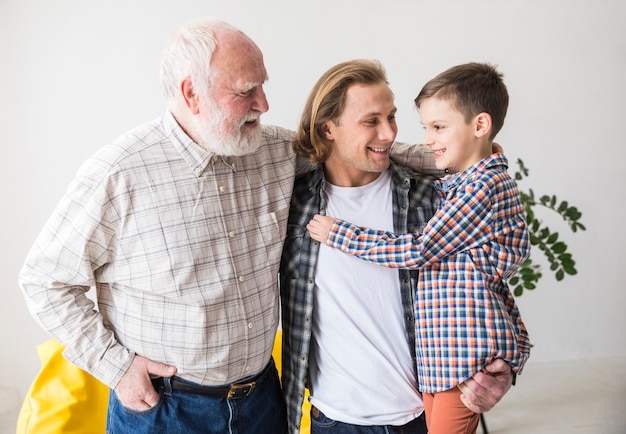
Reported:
(195, 155)
(316, 177)
(494, 161)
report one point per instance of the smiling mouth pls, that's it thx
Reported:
(251, 119)
(439, 152)
(253, 123)
(379, 150)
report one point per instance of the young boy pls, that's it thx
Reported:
(465, 314)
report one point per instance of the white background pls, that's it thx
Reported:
(76, 74)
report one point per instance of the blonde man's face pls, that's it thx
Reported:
(362, 136)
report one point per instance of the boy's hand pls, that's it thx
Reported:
(319, 226)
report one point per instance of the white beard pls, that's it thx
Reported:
(224, 136)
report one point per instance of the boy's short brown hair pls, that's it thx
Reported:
(472, 88)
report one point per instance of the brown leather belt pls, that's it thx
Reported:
(233, 391)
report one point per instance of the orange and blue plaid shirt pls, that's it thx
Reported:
(465, 314)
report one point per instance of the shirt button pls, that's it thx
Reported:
(231, 234)
(222, 189)
(241, 278)
(249, 325)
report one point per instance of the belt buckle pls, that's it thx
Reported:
(237, 391)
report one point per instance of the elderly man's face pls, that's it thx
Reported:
(229, 119)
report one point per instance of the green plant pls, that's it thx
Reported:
(544, 238)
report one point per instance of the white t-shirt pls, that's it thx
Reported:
(361, 369)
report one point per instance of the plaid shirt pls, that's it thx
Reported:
(183, 248)
(465, 314)
(297, 270)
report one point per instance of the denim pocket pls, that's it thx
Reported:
(320, 420)
(134, 412)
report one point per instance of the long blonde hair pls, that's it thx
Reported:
(326, 102)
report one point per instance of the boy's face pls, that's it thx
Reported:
(457, 144)
(362, 136)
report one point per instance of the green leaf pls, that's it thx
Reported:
(559, 247)
(570, 269)
(573, 214)
(559, 275)
(535, 226)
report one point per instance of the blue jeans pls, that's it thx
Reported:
(263, 412)
(321, 424)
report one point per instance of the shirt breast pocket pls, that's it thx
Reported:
(270, 228)
(292, 250)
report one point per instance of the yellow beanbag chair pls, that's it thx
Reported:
(63, 398)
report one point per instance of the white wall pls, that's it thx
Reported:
(75, 74)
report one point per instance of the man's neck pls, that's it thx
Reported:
(349, 178)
